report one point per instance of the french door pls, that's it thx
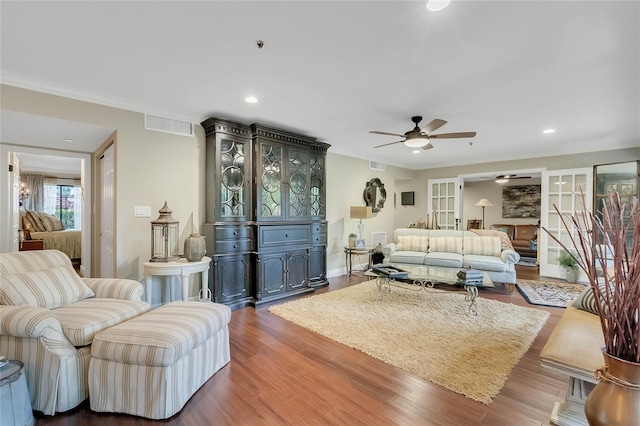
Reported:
(563, 189)
(444, 203)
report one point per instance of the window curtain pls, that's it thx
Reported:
(50, 195)
(35, 185)
(77, 204)
(51, 198)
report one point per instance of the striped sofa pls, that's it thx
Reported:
(49, 317)
(453, 249)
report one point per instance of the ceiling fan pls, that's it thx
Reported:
(420, 138)
(507, 178)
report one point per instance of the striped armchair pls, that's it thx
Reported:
(48, 317)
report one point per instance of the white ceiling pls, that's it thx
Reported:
(335, 70)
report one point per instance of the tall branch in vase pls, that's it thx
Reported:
(612, 268)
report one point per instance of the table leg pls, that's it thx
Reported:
(472, 293)
(148, 283)
(184, 279)
(205, 293)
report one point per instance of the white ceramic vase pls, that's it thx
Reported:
(194, 247)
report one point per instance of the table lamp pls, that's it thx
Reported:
(360, 212)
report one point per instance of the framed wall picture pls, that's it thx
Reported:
(474, 224)
(407, 198)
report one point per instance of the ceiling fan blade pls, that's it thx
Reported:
(427, 146)
(385, 133)
(392, 143)
(433, 125)
(453, 135)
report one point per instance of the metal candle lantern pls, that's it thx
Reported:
(164, 236)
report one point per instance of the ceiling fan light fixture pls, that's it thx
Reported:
(417, 142)
(437, 5)
(502, 180)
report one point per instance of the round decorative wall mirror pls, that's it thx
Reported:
(375, 195)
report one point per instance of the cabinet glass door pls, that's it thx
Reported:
(271, 173)
(317, 196)
(234, 192)
(298, 199)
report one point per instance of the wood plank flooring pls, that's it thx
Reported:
(283, 374)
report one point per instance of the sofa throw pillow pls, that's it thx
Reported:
(504, 238)
(445, 244)
(483, 246)
(50, 288)
(586, 300)
(412, 243)
(35, 220)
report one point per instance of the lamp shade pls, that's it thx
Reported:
(483, 202)
(360, 212)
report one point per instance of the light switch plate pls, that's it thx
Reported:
(142, 211)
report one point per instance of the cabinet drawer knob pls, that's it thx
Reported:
(286, 235)
(235, 233)
(235, 246)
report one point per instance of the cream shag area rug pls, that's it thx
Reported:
(428, 333)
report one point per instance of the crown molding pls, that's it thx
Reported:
(27, 83)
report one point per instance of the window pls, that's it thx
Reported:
(65, 202)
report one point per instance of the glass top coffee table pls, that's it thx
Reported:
(424, 277)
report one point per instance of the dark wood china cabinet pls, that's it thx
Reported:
(265, 226)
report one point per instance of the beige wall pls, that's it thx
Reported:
(474, 191)
(155, 167)
(346, 180)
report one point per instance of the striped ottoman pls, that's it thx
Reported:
(151, 365)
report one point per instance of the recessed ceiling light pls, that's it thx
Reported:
(251, 100)
(416, 151)
(547, 131)
(436, 5)
(68, 140)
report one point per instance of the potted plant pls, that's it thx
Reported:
(601, 250)
(570, 264)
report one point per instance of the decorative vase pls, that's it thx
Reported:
(194, 247)
(615, 401)
(572, 275)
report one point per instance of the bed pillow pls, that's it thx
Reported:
(35, 221)
(49, 288)
(51, 223)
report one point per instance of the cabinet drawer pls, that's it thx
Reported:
(232, 232)
(273, 236)
(233, 246)
(319, 239)
(318, 228)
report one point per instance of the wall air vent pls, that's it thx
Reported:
(167, 125)
(374, 165)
